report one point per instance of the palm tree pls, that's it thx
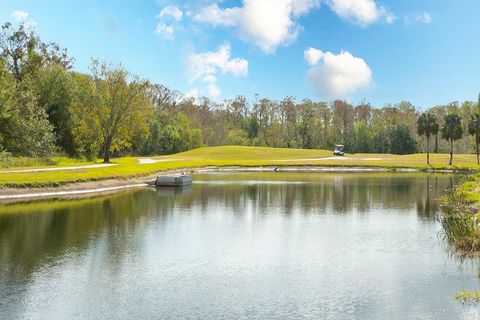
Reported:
(427, 126)
(474, 130)
(452, 130)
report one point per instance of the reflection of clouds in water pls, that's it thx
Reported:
(235, 249)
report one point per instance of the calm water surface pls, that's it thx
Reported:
(237, 246)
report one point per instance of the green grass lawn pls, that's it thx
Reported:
(12, 163)
(129, 167)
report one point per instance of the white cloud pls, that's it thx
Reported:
(266, 23)
(171, 12)
(165, 31)
(207, 66)
(313, 55)
(362, 12)
(213, 90)
(335, 76)
(19, 15)
(192, 93)
(413, 18)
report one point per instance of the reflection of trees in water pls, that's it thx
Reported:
(116, 224)
(427, 206)
(337, 195)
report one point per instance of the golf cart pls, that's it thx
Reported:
(338, 151)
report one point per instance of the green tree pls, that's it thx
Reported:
(25, 53)
(111, 108)
(54, 88)
(28, 131)
(474, 130)
(362, 137)
(427, 126)
(24, 128)
(237, 137)
(401, 140)
(452, 131)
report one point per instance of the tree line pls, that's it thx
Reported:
(48, 108)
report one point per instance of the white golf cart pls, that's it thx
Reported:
(338, 151)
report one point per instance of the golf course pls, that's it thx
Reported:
(69, 171)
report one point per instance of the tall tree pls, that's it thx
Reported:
(452, 130)
(25, 53)
(474, 130)
(400, 140)
(53, 87)
(112, 108)
(427, 126)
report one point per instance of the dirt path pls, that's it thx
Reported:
(91, 166)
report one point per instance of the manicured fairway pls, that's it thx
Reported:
(131, 167)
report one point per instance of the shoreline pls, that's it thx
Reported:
(99, 187)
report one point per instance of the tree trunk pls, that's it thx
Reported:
(428, 150)
(451, 152)
(477, 137)
(436, 143)
(106, 150)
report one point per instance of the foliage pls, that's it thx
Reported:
(467, 297)
(171, 134)
(452, 130)
(112, 109)
(400, 140)
(110, 112)
(237, 137)
(362, 141)
(474, 130)
(427, 126)
(54, 88)
(460, 219)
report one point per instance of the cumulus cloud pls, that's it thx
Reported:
(313, 55)
(169, 13)
(206, 67)
(19, 15)
(424, 17)
(335, 76)
(361, 12)
(165, 31)
(266, 23)
(172, 12)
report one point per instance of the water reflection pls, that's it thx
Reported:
(237, 245)
(320, 193)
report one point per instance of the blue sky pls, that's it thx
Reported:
(423, 51)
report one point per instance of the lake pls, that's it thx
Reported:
(237, 246)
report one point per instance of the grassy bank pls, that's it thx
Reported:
(130, 167)
(460, 217)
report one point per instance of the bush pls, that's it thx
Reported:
(459, 220)
(237, 138)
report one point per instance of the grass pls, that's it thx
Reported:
(460, 216)
(129, 167)
(467, 297)
(9, 162)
